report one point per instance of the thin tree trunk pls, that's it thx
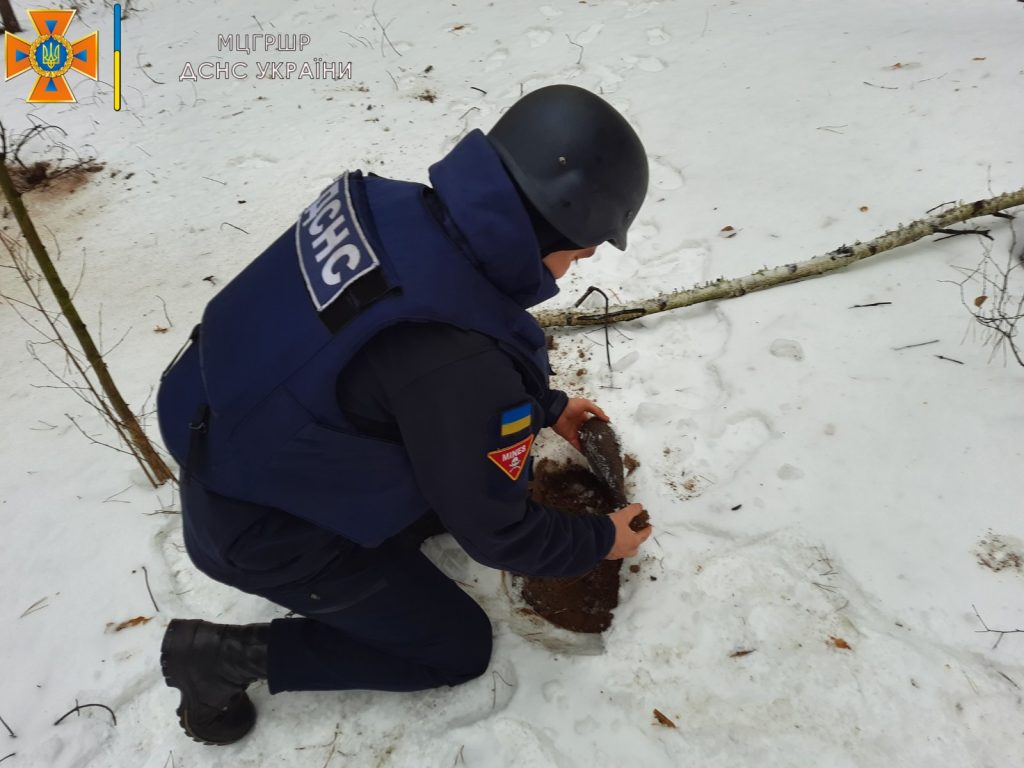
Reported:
(766, 278)
(140, 444)
(9, 17)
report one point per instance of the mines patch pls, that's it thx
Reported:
(512, 459)
(516, 419)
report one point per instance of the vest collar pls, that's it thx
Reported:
(482, 202)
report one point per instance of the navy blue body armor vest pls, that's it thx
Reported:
(368, 253)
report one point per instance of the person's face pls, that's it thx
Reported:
(558, 262)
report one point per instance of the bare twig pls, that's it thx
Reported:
(26, 305)
(38, 605)
(383, 30)
(884, 87)
(494, 688)
(997, 301)
(117, 343)
(830, 569)
(93, 402)
(582, 49)
(74, 389)
(167, 317)
(919, 344)
(957, 232)
(359, 39)
(81, 277)
(970, 681)
(92, 439)
(79, 707)
(873, 304)
(1001, 632)
(113, 496)
(5, 757)
(13, 735)
(145, 573)
(142, 68)
(607, 343)
(334, 745)
(1010, 679)
(949, 359)
(232, 226)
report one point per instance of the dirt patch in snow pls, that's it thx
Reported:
(998, 553)
(578, 603)
(44, 174)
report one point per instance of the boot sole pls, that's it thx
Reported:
(176, 642)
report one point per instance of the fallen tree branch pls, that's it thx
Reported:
(841, 257)
(88, 394)
(121, 416)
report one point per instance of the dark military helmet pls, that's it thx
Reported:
(576, 160)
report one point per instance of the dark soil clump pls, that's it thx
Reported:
(570, 488)
(630, 462)
(641, 521)
(578, 603)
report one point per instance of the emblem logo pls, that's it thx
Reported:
(51, 56)
(512, 459)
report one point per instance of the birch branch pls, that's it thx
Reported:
(841, 257)
(121, 416)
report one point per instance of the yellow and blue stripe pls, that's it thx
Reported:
(117, 57)
(516, 419)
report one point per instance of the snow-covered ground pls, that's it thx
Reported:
(808, 482)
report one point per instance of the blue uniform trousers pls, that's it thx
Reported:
(382, 618)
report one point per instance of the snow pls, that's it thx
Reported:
(806, 480)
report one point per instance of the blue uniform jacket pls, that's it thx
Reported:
(375, 363)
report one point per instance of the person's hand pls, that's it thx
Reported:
(627, 541)
(575, 415)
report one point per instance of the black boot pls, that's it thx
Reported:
(212, 665)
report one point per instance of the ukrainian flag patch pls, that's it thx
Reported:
(516, 419)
